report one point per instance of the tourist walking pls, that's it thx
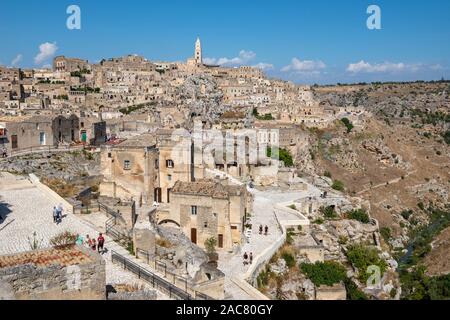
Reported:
(251, 257)
(60, 210)
(245, 258)
(266, 230)
(88, 241)
(260, 229)
(79, 241)
(101, 243)
(94, 245)
(55, 215)
(4, 153)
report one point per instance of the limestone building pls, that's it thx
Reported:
(130, 169)
(207, 209)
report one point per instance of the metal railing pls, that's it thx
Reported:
(176, 280)
(157, 282)
(113, 232)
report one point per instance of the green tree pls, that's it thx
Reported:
(324, 273)
(361, 257)
(347, 124)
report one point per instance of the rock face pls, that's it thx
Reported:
(64, 165)
(202, 99)
(133, 296)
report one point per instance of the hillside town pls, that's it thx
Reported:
(131, 179)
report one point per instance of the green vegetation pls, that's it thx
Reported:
(133, 108)
(446, 136)
(406, 214)
(85, 89)
(266, 117)
(281, 154)
(210, 245)
(338, 185)
(50, 82)
(80, 73)
(264, 277)
(347, 123)
(353, 293)
(289, 258)
(433, 118)
(416, 285)
(361, 257)
(324, 273)
(360, 215)
(386, 233)
(327, 174)
(328, 212)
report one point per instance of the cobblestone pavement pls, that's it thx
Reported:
(263, 214)
(26, 210)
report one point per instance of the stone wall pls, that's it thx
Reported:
(85, 281)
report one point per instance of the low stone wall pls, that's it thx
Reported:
(84, 281)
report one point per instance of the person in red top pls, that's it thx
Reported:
(101, 243)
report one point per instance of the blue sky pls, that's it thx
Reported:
(320, 41)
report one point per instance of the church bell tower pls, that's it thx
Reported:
(198, 52)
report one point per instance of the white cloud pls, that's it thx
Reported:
(243, 58)
(365, 67)
(264, 66)
(16, 60)
(306, 66)
(46, 51)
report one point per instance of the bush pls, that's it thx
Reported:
(361, 257)
(210, 245)
(406, 214)
(353, 293)
(282, 155)
(64, 239)
(327, 174)
(338, 185)
(386, 233)
(347, 124)
(324, 273)
(359, 215)
(289, 258)
(328, 212)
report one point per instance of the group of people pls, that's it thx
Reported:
(58, 214)
(92, 243)
(265, 229)
(248, 259)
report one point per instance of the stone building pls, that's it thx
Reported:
(73, 273)
(38, 131)
(63, 64)
(130, 169)
(207, 209)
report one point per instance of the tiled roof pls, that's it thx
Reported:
(45, 258)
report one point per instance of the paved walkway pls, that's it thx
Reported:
(263, 214)
(24, 209)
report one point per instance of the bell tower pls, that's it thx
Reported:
(198, 52)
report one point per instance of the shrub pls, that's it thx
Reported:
(210, 245)
(328, 212)
(359, 215)
(324, 273)
(63, 239)
(347, 123)
(353, 293)
(338, 185)
(327, 174)
(289, 258)
(386, 233)
(406, 214)
(361, 257)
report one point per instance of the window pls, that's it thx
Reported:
(194, 210)
(169, 164)
(169, 177)
(205, 225)
(127, 165)
(109, 155)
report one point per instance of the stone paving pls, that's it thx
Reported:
(263, 214)
(24, 209)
